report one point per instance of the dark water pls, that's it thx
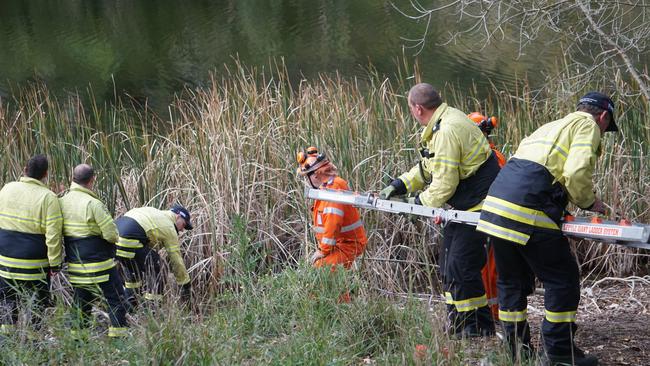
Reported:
(152, 49)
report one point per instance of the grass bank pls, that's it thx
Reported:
(288, 318)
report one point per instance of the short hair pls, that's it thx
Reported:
(425, 95)
(591, 109)
(82, 174)
(37, 167)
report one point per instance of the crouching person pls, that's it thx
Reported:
(338, 227)
(142, 231)
(89, 236)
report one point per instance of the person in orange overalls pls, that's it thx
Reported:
(489, 272)
(338, 227)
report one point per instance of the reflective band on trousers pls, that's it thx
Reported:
(502, 232)
(152, 297)
(333, 210)
(466, 305)
(91, 267)
(6, 328)
(124, 254)
(318, 229)
(137, 284)
(128, 243)
(518, 213)
(513, 316)
(118, 332)
(352, 226)
(23, 276)
(77, 280)
(23, 263)
(329, 241)
(561, 317)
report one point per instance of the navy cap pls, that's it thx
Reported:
(602, 101)
(184, 213)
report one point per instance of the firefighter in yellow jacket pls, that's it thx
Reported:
(144, 230)
(89, 235)
(457, 168)
(523, 212)
(30, 240)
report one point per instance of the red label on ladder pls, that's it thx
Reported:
(592, 229)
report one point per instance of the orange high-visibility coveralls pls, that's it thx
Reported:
(339, 229)
(489, 272)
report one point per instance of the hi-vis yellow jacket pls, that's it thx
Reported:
(89, 236)
(30, 230)
(552, 166)
(161, 232)
(85, 215)
(456, 150)
(568, 148)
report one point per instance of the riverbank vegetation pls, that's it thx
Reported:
(227, 153)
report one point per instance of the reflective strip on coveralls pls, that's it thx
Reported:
(468, 304)
(561, 317)
(513, 316)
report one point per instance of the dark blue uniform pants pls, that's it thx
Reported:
(464, 255)
(548, 256)
(113, 292)
(145, 269)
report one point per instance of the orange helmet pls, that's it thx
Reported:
(484, 123)
(309, 161)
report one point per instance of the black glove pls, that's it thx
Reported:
(186, 293)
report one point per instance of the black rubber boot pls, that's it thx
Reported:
(578, 358)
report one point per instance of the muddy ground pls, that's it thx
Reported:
(613, 320)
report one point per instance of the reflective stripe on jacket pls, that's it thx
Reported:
(89, 236)
(456, 151)
(530, 192)
(160, 227)
(336, 224)
(30, 230)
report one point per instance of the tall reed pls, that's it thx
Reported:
(227, 152)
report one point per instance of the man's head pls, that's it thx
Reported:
(84, 175)
(37, 167)
(601, 107)
(315, 167)
(423, 100)
(182, 218)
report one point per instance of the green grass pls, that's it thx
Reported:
(293, 317)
